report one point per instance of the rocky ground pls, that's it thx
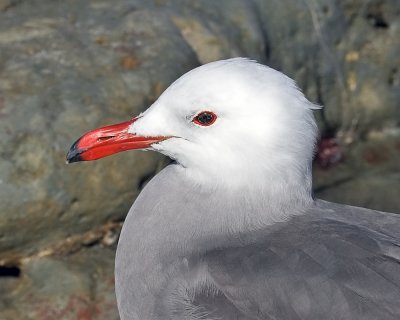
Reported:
(70, 66)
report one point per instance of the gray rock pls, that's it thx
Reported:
(79, 286)
(344, 54)
(69, 67)
(368, 175)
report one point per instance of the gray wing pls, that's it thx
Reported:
(337, 262)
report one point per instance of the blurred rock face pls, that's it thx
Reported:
(68, 67)
(345, 56)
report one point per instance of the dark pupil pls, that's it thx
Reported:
(205, 118)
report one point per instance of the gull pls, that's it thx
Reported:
(230, 229)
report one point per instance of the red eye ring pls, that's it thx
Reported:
(205, 118)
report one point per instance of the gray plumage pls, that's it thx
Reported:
(326, 261)
(230, 230)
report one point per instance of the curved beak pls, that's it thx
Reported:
(108, 140)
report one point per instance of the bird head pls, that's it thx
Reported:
(232, 122)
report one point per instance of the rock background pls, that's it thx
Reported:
(69, 66)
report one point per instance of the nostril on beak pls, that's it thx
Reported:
(100, 139)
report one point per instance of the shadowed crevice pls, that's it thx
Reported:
(10, 271)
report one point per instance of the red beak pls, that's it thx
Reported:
(108, 140)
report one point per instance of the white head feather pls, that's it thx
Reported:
(263, 137)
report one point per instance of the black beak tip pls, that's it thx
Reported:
(73, 158)
(74, 153)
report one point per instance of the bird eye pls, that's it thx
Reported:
(205, 118)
